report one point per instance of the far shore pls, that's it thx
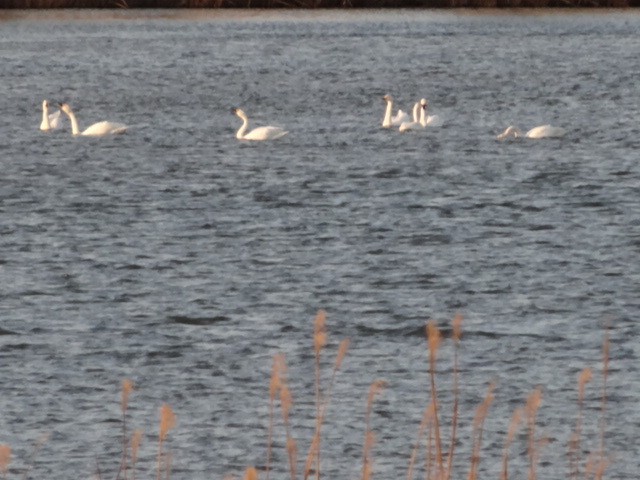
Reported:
(558, 5)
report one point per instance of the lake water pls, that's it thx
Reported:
(183, 259)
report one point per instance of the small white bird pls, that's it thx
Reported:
(49, 121)
(259, 133)
(542, 131)
(100, 128)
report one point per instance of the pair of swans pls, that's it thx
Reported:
(260, 133)
(404, 122)
(420, 118)
(52, 121)
(542, 131)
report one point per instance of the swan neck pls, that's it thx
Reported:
(74, 123)
(45, 118)
(386, 122)
(416, 108)
(243, 128)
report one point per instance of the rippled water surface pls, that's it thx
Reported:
(183, 259)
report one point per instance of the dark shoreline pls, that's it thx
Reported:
(314, 4)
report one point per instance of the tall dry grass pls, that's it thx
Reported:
(167, 421)
(438, 465)
(5, 458)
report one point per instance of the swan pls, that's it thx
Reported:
(404, 126)
(260, 133)
(542, 131)
(100, 128)
(429, 120)
(49, 121)
(388, 120)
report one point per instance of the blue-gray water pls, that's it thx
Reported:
(180, 258)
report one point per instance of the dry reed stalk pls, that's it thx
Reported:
(278, 370)
(433, 341)
(516, 418)
(285, 405)
(127, 387)
(574, 442)
(457, 332)
(311, 454)
(603, 404)
(135, 443)
(36, 447)
(5, 458)
(478, 423)
(319, 341)
(167, 420)
(530, 411)
(167, 465)
(428, 467)
(427, 418)
(369, 437)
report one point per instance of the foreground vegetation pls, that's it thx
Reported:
(45, 4)
(438, 454)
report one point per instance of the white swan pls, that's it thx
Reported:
(543, 131)
(398, 119)
(100, 128)
(260, 133)
(429, 120)
(404, 126)
(49, 121)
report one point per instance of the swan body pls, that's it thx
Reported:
(100, 128)
(260, 133)
(49, 121)
(429, 120)
(398, 119)
(415, 125)
(542, 131)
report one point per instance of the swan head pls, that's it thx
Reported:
(65, 108)
(423, 102)
(511, 131)
(45, 104)
(387, 98)
(239, 112)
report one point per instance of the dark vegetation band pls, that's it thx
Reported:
(43, 4)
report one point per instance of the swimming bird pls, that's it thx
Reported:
(415, 125)
(100, 128)
(49, 121)
(429, 120)
(398, 119)
(542, 131)
(259, 133)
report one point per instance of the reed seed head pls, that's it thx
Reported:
(457, 326)
(127, 386)
(135, 444)
(250, 473)
(5, 458)
(319, 331)
(433, 337)
(342, 351)
(167, 420)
